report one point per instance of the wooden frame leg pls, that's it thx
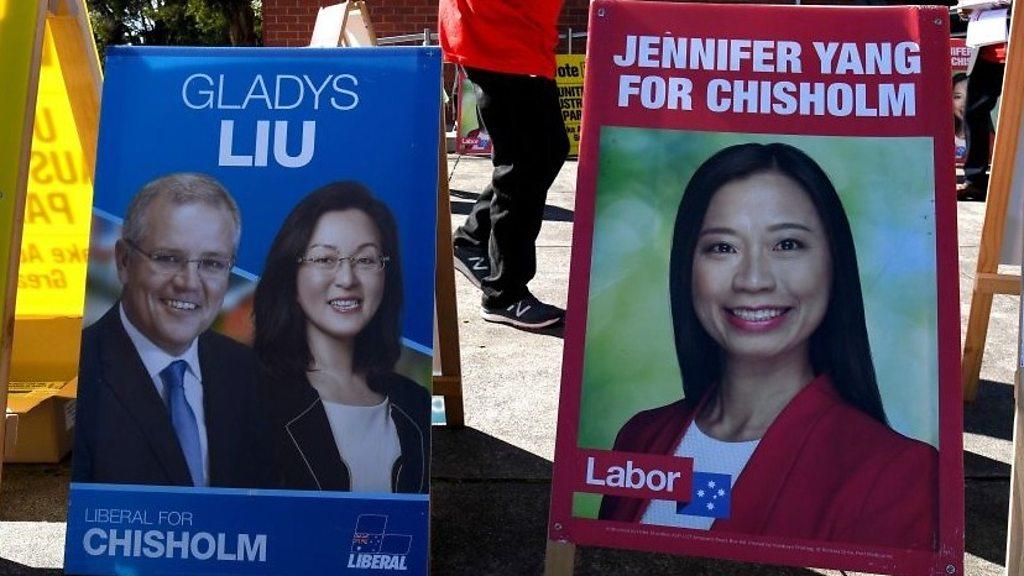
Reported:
(974, 343)
(447, 363)
(559, 558)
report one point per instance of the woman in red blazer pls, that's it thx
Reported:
(773, 349)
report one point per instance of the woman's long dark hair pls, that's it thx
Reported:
(839, 346)
(279, 322)
(959, 123)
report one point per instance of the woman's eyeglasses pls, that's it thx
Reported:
(169, 262)
(360, 262)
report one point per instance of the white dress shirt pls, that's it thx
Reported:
(709, 455)
(367, 441)
(155, 360)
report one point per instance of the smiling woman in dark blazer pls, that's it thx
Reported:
(327, 333)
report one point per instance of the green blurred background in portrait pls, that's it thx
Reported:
(887, 189)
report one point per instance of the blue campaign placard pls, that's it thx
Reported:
(221, 461)
(120, 530)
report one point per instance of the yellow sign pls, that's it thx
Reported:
(19, 26)
(569, 78)
(55, 242)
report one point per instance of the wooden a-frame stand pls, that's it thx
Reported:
(349, 24)
(76, 51)
(988, 280)
(447, 364)
(344, 24)
(73, 40)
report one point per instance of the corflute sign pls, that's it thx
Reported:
(751, 371)
(254, 385)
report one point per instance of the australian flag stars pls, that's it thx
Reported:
(369, 533)
(363, 542)
(711, 496)
(371, 537)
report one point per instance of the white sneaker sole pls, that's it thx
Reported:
(502, 319)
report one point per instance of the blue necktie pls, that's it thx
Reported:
(182, 418)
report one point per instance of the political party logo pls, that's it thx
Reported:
(711, 496)
(373, 548)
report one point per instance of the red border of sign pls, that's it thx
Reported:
(609, 19)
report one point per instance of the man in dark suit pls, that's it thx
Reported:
(163, 400)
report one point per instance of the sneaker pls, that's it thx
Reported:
(526, 313)
(969, 190)
(472, 263)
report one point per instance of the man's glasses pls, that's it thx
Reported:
(369, 261)
(169, 263)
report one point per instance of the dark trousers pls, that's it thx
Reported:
(529, 146)
(983, 88)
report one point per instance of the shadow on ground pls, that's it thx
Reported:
(991, 413)
(987, 485)
(35, 492)
(987, 503)
(9, 568)
(462, 202)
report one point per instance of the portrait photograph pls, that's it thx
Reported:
(795, 289)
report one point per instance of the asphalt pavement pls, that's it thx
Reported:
(491, 479)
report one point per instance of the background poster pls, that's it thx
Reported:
(20, 26)
(959, 59)
(471, 136)
(271, 125)
(667, 89)
(569, 77)
(54, 246)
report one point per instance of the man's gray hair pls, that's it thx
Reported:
(179, 188)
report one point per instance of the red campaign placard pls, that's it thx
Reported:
(959, 61)
(471, 137)
(764, 295)
(959, 55)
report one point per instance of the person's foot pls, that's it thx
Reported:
(526, 313)
(968, 190)
(472, 263)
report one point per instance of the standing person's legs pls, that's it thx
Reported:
(983, 88)
(520, 187)
(522, 115)
(472, 238)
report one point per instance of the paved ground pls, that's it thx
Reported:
(491, 479)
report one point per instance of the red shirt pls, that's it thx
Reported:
(994, 53)
(511, 36)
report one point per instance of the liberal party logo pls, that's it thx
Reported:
(373, 548)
